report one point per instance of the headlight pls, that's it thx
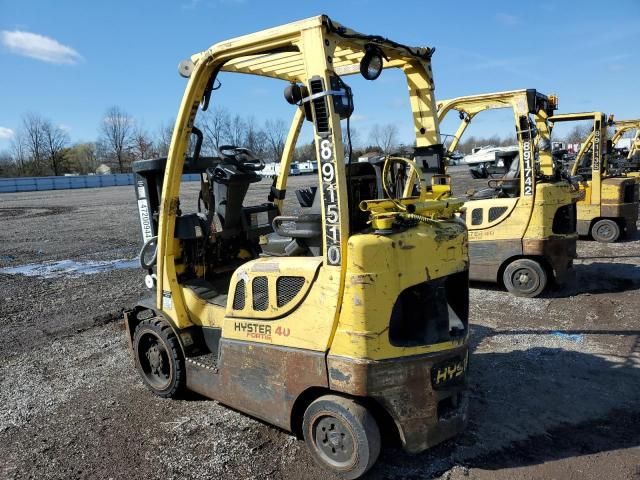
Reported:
(372, 62)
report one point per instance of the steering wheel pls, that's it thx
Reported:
(399, 183)
(242, 157)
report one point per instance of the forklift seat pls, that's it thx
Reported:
(207, 291)
(297, 235)
(505, 187)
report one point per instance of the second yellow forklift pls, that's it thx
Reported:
(626, 160)
(608, 205)
(522, 226)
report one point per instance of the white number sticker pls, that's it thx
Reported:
(332, 213)
(330, 199)
(325, 149)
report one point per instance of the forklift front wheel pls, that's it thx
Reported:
(605, 231)
(342, 435)
(525, 277)
(158, 358)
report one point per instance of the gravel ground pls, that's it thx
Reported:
(555, 381)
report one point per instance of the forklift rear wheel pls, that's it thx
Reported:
(525, 277)
(159, 358)
(605, 231)
(342, 435)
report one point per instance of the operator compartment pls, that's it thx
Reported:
(224, 233)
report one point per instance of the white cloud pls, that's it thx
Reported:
(6, 133)
(39, 47)
(507, 20)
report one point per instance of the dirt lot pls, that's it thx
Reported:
(555, 381)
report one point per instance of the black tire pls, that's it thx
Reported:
(605, 230)
(341, 435)
(158, 358)
(525, 277)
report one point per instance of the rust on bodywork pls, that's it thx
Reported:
(583, 227)
(403, 387)
(559, 252)
(486, 257)
(259, 379)
(626, 212)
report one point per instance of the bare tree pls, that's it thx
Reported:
(117, 135)
(305, 152)
(385, 137)
(578, 134)
(83, 157)
(215, 127)
(8, 167)
(236, 131)
(32, 125)
(163, 141)
(354, 135)
(19, 151)
(56, 140)
(143, 147)
(255, 139)
(275, 131)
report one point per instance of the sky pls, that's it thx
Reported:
(70, 61)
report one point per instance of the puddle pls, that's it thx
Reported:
(568, 336)
(69, 268)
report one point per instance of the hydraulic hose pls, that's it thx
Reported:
(147, 265)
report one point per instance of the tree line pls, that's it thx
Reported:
(576, 135)
(40, 147)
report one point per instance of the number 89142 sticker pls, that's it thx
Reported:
(595, 162)
(330, 196)
(528, 167)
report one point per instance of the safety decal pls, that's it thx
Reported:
(167, 303)
(145, 214)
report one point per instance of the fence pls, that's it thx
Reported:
(31, 184)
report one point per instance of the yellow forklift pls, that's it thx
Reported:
(627, 161)
(336, 324)
(608, 205)
(522, 226)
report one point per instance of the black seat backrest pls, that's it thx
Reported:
(512, 187)
(363, 185)
(230, 185)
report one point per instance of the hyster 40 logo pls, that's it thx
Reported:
(260, 331)
(254, 330)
